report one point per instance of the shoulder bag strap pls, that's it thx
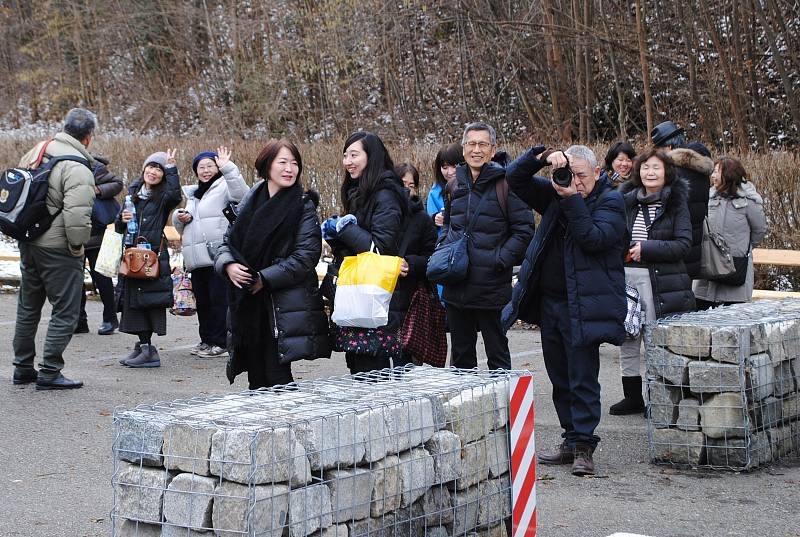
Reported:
(477, 212)
(646, 215)
(40, 156)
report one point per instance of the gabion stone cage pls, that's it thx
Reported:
(404, 452)
(723, 386)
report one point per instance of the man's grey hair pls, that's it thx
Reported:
(80, 123)
(584, 153)
(479, 126)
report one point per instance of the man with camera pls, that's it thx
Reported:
(571, 284)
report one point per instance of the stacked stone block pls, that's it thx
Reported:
(723, 386)
(409, 453)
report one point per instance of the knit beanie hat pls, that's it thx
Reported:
(159, 158)
(200, 156)
(699, 147)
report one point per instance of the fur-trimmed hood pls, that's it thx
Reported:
(671, 195)
(686, 158)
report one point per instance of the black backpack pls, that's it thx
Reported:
(23, 197)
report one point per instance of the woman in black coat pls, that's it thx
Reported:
(106, 187)
(376, 207)
(660, 235)
(270, 255)
(419, 242)
(144, 303)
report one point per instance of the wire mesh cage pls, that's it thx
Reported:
(399, 452)
(723, 386)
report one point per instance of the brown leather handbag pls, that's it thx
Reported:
(139, 263)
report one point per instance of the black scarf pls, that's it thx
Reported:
(264, 230)
(203, 186)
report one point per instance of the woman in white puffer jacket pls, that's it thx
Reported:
(202, 225)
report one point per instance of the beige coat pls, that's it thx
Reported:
(742, 223)
(71, 187)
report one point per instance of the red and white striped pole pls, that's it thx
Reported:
(523, 457)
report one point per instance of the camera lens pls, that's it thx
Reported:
(562, 176)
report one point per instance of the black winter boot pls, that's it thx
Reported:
(633, 403)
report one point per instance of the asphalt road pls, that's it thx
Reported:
(56, 466)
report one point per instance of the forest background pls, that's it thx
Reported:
(200, 73)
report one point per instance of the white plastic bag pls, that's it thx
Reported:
(110, 255)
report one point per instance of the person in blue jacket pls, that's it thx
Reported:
(571, 284)
(444, 172)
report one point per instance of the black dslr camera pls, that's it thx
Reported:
(563, 176)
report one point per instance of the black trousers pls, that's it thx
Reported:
(573, 371)
(265, 371)
(363, 363)
(104, 286)
(464, 327)
(210, 291)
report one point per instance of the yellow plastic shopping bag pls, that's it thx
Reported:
(364, 289)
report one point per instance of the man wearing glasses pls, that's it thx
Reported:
(501, 228)
(572, 285)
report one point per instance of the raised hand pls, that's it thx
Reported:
(224, 156)
(171, 157)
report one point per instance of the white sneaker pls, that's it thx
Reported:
(200, 347)
(213, 352)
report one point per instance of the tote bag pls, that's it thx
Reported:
(183, 300)
(110, 254)
(634, 318)
(423, 333)
(364, 289)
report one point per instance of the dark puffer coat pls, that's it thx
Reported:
(498, 241)
(380, 221)
(419, 241)
(669, 239)
(152, 215)
(695, 170)
(298, 319)
(593, 246)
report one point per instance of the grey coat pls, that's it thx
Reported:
(742, 223)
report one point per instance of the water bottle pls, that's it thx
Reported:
(133, 228)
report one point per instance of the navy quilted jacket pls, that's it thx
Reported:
(593, 247)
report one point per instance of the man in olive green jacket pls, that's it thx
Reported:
(52, 265)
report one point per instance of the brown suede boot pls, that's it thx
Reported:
(563, 454)
(583, 464)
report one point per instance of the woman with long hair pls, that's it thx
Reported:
(269, 256)
(144, 302)
(659, 236)
(375, 207)
(735, 211)
(444, 172)
(419, 241)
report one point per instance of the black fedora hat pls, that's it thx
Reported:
(663, 132)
